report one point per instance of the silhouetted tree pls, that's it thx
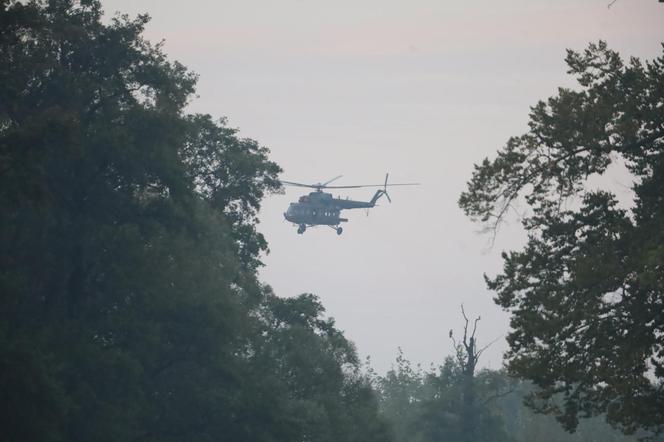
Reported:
(130, 308)
(586, 294)
(454, 402)
(467, 356)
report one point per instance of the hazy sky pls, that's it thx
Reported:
(422, 89)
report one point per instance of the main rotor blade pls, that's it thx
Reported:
(333, 179)
(370, 185)
(357, 186)
(290, 183)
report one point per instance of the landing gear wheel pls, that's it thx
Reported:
(339, 230)
(301, 229)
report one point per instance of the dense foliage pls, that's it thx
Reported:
(427, 405)
(586, 294)
(430, 406)
(130, 307)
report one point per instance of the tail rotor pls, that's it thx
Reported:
(385, 188)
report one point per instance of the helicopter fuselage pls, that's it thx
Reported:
(321, 208)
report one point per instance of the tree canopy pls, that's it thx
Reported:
(586, 294)
(131, 308)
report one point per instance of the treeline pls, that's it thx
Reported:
(425, 405)
(130, 308)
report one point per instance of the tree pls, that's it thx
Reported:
(448, 414)
(402, 390)
(451, 402)
(468, 354)
(127, 236)
(525, 424)
(586, 294)
(131, 307)
(321, 393)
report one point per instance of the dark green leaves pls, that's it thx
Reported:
(586, 293)
(130, 304)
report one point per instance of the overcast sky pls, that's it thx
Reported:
(422, 89)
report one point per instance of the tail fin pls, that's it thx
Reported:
(381, 192)
(376, 197)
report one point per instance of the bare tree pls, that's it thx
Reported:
(467, 354)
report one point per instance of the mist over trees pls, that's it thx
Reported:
(424, 405)
(130, 306)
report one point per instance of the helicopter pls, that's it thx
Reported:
(322, 209)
